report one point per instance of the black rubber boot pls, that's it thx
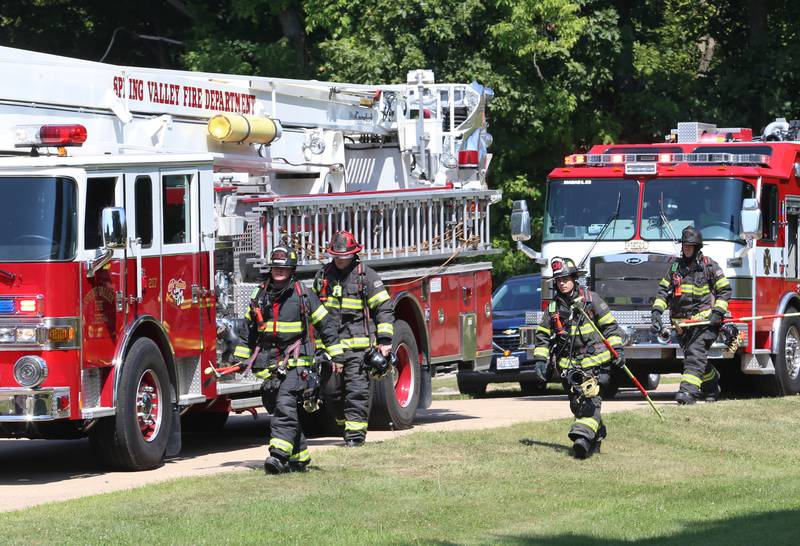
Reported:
(273, 465)
(684, 398)
(582, 448)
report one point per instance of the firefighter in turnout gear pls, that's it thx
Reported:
(694, 288)
(281, 348)
(584, 362)
(354, 294)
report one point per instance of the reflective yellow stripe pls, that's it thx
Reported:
(664, 282)
(319, 314)
(281, 445)
(615, 341)
(301, 457)
(722, 282)
(242, 352)
(264, 374)
(608, 318)
(299, 362)
(385, 328)
(691, 379)
(659, 304)
(282, 327)
(247, 315)
(319, 344)
(710, 375)
(585, 329)
(590, 422)
(695, 290)
(355, 342)
(335, 350)
(722, 305)
(355, 425)
(378, 299)
(702, 314)
(351, 303)
(543, 329)
(340, 422)
(332, 303)
(586, 362)
(541, 351)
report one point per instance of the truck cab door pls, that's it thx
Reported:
(103, 293)
(142, 207)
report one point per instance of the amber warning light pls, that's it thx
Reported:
(49, 135)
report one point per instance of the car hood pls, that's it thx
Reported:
(508, 319)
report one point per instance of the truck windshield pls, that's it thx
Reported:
(711, 205)
(38, 219)
(577, 210)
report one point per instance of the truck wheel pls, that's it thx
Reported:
(395, 398)
(136, 437)
(786, 380)
(476, 390)
(649, 381)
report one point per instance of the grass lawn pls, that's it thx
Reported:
(722, 473)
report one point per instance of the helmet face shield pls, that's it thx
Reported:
(282, 256)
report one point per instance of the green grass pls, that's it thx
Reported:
(722, 473)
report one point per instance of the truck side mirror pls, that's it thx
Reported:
(520, 221)
(751, 219)
(115, 230)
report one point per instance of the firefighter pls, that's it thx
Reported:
(280, 342)
(354, 294)
(694, 288)
(585, 363)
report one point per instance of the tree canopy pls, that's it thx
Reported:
(566, 73)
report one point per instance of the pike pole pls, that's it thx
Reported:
(615, 354)
(690, 323)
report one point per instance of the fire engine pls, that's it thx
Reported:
(139, 207)
(619, 209)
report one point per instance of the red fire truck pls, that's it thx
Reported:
(138, 209)
(618, 209)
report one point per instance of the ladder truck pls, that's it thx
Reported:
(140, 206)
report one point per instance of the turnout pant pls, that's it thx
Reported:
(699, 376)
(347, 395)
(588, 421)
(287, 441)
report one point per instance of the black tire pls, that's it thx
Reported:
(649, 381)
(204, 422)
(475, 390)
(532, 388)
(387, 412)
(786, 380)
(118, 441)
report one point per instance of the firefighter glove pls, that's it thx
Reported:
(715, 320)
(619, 361)
(540, 370)
(655, 323)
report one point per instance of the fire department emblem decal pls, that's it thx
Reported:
(175, 290)
(767, 261)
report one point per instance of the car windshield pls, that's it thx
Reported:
(712, 205)
(38, 219)
(522, 295)
(577, 210)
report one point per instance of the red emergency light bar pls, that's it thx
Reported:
(50, 135)
(601, 160)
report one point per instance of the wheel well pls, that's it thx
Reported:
(151, 329)
(407, 308)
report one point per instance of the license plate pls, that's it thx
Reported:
(508, 363)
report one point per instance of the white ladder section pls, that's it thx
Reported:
(409, 226)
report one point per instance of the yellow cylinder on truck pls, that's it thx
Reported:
(243, 129)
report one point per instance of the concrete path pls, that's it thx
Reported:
(41, 471)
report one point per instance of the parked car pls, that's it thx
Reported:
(510, 302)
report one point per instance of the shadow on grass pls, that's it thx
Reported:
(436, 415)
(778, 527)
(560, 448)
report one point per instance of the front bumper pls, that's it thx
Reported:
(493, 375)
(40, 404)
